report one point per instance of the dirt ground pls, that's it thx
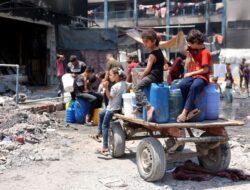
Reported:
(68, 162)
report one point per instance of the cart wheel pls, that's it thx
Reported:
(151, 159)
(217, 159)
(116, 140)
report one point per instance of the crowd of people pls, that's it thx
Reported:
(106, 87)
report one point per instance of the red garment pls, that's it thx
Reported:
(59, 68)
(176, 70)
(200, 59)
(131, 66)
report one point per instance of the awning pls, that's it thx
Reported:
(174, 42)
(234, 56)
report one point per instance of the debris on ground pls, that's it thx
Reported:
(112, 181)
(23, 135)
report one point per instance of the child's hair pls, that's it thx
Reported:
(135, 58)
(215, 79)
(89, 69)
(195, 36)
(59, 55)
(150, 35)
(101, 74)
(73, 58)
(118, 71)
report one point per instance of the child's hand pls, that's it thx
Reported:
(140, 75)
(106, 84)
(187, 75)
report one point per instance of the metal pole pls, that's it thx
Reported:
(207, 17)
(105, 13)
(17, 78)
(17, 82)
(167, 18)
(135, 13)
(224, 20)
(168, 24)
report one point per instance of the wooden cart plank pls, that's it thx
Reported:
(198, 125)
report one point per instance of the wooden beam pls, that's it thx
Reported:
(197, 125)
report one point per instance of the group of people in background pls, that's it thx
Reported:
(113, 82)
(97, 88)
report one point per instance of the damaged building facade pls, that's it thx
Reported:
(29, 32)
(238, 24)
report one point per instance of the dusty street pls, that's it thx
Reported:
(66, 159)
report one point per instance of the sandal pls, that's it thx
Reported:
(181, 119)
(96, 138)
(102, 152)
(192, 114)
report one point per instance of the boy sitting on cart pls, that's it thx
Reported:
(197, 77)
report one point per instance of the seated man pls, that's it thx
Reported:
(81, 90)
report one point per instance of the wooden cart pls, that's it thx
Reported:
(213, 151)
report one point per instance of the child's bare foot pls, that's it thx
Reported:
(150, 113)
(181, 118)
(87, 119)
(136, 111)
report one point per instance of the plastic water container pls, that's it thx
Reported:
(81, 110)
(175, 84)
(213, 102)
(144, 111)
(70, 113)
(200, 103)
(175, 104)
(67, 105)
(228, 95)
(129, 103)
(96, 116)
(68, 82)
(159, 95)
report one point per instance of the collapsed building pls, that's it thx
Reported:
(33, 31)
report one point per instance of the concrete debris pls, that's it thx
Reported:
(112, 182)
(23, 136)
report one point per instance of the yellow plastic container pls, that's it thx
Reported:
(67, 105)
(96, 115)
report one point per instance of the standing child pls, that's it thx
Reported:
(118, 77)
(229, 80)
(59, 72)
(229, 85)
(246, 73)
(197, 76)
(153, 72)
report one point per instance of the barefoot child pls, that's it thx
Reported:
(197, 76)
(118, 77)
(153, 72)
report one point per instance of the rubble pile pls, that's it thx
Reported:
(23, 136)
